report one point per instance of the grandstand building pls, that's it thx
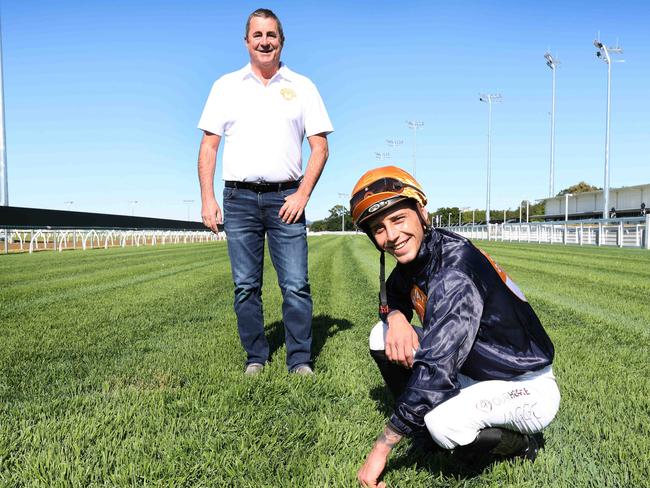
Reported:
(626, 201)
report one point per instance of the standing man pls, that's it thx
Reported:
(263, 112)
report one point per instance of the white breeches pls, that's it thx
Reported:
(527, 404)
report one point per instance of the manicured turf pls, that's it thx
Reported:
(123, 367)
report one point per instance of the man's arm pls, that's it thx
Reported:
(210, 211)
(371, 470)
(295, 204)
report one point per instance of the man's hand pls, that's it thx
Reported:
(293, 208)
(401, 340)
(211, 214)
(294, 205)
(371, 470)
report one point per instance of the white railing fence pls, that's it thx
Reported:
(623, 232)
(21, 240)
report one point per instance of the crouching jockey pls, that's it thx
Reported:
(477, 375)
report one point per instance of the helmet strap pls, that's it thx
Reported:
(383, 300)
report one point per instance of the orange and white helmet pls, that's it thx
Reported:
(381, 188)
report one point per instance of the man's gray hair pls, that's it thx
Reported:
(265, 13)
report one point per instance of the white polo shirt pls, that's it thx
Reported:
(263, 127)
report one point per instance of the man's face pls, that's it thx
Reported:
(263, 43)
(399, 231)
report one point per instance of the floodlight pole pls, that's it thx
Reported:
(604, 52)
(566, 206)
(489, 98)
(188, 203)
(4, 184)
(69, 203)
(381, 156)
(133, 204)
(395, 144)
(415, 125)
(460, 214)
(553, 64)
(344, 196)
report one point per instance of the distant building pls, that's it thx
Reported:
(627, 201)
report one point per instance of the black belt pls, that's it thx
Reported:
(263, 187)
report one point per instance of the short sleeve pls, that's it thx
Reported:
(317, 120)
(213, 119)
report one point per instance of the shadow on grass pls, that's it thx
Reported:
(323, 327)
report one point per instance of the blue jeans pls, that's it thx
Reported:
(248, 217)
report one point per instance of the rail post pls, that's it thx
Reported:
(600, 234)
(620, 234)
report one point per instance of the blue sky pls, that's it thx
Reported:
(102, 98)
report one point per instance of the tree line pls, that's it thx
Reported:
(340, 217)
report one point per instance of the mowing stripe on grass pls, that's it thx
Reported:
(129, 372)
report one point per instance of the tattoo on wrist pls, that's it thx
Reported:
(389, 437)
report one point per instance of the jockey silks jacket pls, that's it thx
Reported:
(475, 321)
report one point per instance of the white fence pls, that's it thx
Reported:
(60, 239)
(624, 232)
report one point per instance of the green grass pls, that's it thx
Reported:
(123, 367)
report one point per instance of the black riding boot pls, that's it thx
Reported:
(395, 376)
(495, 444)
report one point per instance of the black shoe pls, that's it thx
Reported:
(530, 453)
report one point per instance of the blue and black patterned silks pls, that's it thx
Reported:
(475, 322)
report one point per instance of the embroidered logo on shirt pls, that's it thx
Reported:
(288, 93)
(505, 278)
(419, 301)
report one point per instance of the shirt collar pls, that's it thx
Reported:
(283, 72)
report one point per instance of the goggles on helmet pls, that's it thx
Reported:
(384, 185)
(392, 189)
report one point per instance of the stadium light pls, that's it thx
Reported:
(449, 220)
(489, 99)
(460, 214)
(415, 125)
(4, 184)
(553, 64)
(344, 196)
(566, 206)
(395, 144)
(133, 204)
(381, 156)
(604, 52)
(188, 203)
